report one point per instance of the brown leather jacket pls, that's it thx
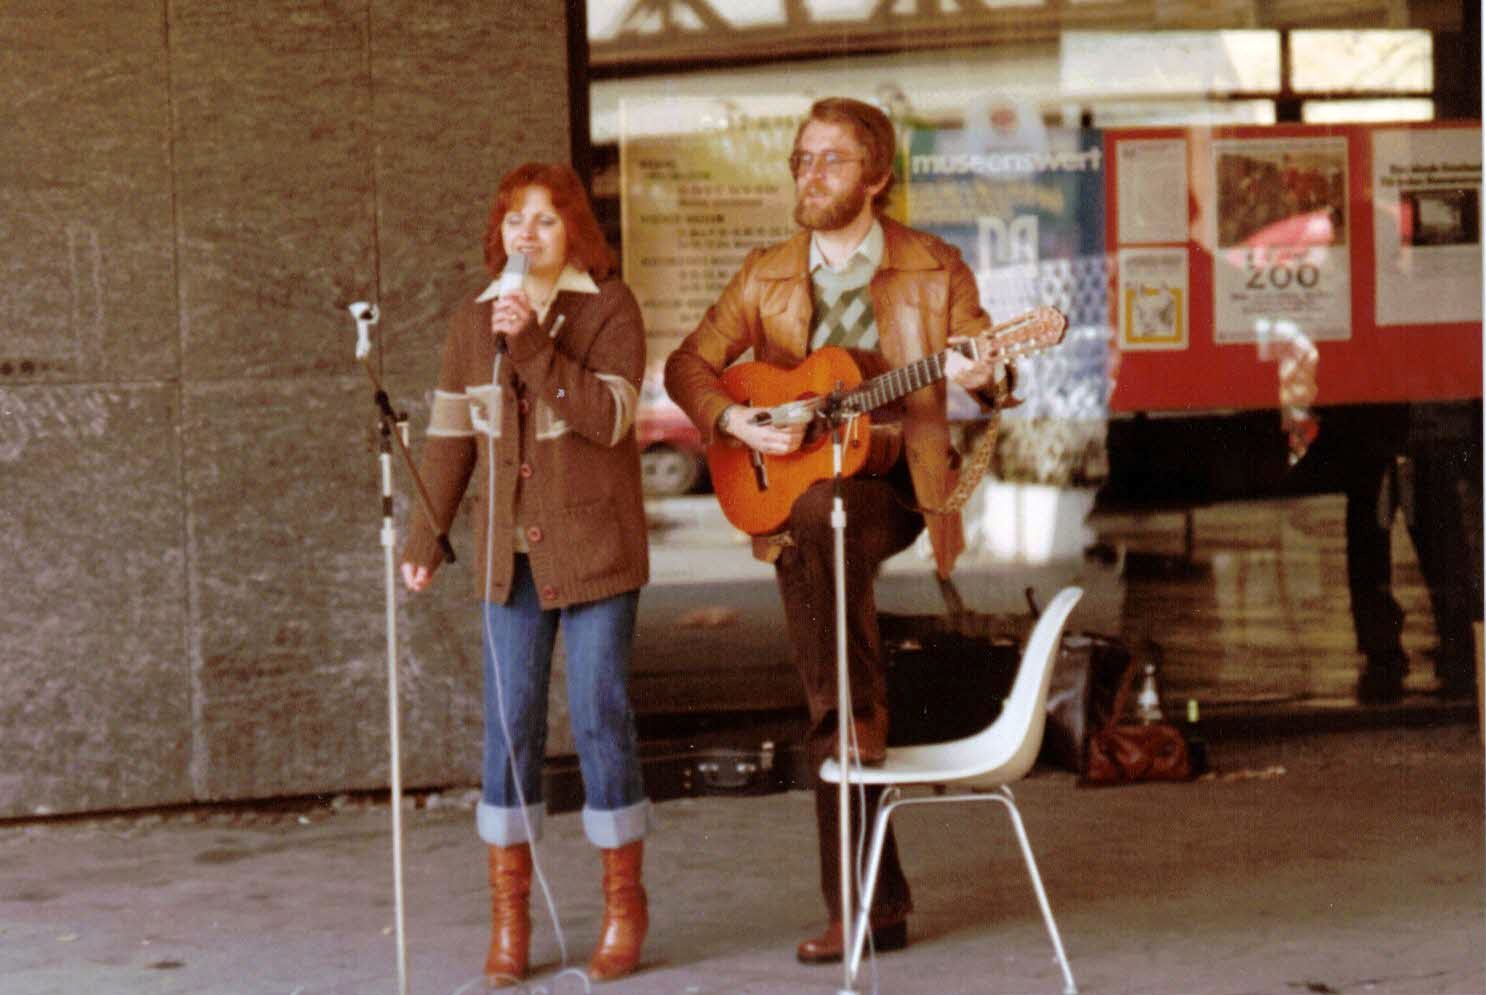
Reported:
(922, 294)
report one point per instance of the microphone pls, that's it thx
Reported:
(511, 279)
(514, 274)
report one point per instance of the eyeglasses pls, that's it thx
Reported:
(801, 163)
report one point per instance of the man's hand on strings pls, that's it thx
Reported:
(771, 440)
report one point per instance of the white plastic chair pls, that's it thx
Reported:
(974, 769)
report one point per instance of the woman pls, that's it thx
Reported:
(536, 395)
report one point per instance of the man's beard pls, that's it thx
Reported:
(837, 212)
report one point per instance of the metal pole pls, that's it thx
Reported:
(843, 708)
(389, 536)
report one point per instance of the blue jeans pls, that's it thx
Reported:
(518, 640)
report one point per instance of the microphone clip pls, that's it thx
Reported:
(366, 315)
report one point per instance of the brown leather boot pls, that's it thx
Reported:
(510, 915)
(626, 914)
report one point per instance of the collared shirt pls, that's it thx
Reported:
(576, 280)
(858, 268)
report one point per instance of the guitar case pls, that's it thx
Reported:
(746, 766)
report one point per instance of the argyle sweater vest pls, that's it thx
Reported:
(843, 314)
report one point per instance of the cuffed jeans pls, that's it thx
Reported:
(518, 640)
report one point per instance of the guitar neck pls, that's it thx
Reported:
(890, 386)
(1038, 329)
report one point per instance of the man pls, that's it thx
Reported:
(892, 295)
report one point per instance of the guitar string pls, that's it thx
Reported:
(889, 386)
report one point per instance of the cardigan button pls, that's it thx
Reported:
(549, 593)
(525, 406)
(525, 470)
(533, 534)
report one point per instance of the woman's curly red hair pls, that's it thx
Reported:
(587, 248)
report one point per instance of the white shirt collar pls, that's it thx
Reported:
(870, 248)
(576, 280)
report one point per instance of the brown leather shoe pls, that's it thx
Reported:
(871, 739)
(510, 915)
(888, 933)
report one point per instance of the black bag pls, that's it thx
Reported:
(1081, 696)
(943, 682)
(947, 675)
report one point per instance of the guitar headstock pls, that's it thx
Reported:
(1038, 329)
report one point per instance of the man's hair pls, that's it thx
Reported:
(587, 249)
(873, 130)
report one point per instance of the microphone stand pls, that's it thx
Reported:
(840, 421)
(393, 428)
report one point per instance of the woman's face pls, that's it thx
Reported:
(533, 228)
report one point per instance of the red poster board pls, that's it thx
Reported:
(1239, 246)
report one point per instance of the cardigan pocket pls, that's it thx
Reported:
(591, 531)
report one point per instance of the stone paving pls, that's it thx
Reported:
(1343, 863)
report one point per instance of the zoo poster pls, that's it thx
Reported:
(1280, 265)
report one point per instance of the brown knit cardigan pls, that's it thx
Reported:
(557, 424)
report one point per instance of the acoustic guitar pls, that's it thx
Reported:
(756, 491)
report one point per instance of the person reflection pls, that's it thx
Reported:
(1423, 460)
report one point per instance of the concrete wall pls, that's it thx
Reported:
(191, 191)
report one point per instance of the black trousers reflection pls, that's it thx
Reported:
(879, 523)
(1437, 489)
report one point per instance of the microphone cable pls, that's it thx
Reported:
(869, 949)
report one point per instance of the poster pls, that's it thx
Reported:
(1154, 298)
(1427, 225)
(1024, 204)
(1152, 192)
(1280, 231)
(695, 201)
(1018, 205)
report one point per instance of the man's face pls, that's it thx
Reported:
(829, 195)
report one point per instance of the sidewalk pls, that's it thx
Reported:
(1332, 863)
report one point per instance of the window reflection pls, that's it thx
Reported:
(1377, 61)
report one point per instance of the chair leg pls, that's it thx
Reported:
(885, 807)
(1004, 795)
